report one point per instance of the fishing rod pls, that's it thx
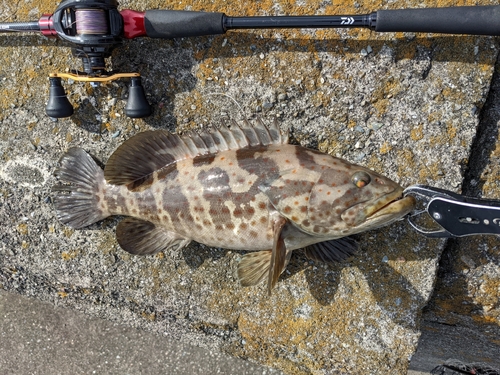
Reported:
(95, 27)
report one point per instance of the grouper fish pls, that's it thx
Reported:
(241, 188)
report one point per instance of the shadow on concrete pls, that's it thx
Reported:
(175, 59)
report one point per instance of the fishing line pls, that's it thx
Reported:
(242, 112)
(91, 22)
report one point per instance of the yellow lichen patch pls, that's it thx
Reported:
(491, 290)
(407, 162)
(351, 124)
(481, 319)
(107, 244)
(319, 98)
(22, 229)
(453, 94)
(5, 99)
(417, 133)
(435, 140)
(67, 255)
(62, 294)
(68, 232)
(385, 148)
(69, 137)
(233, 8)
(451, 130)
(294, 324)
(344, 7)
(383, 93)
(434, 116)
(23, 10)
(149, 316)
(429, 171)
(286, 331)
(487, 295)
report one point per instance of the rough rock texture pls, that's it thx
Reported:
(404, 105)
(467, 293)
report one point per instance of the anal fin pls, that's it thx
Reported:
(333, 250)
(140, 237)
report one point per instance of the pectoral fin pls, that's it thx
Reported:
(140, 237)
(278, 257)
(254, 266)
(333, 250)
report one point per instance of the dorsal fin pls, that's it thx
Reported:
(150, 151)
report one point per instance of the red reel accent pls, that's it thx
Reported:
(133, 23)
(47, 26)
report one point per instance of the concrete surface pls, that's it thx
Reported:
(416, 108)
(38, 338)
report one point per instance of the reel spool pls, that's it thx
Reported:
(93, 28)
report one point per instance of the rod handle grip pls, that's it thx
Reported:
(474, 20)
(169, 24)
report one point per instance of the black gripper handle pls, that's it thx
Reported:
(480, 20)
(169, 24)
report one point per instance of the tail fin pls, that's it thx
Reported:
(77, 195)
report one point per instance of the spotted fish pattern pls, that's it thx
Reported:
(242, 188)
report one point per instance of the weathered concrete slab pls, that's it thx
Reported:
(39, 338)
(406, 106)
(467, 292)
(440, 342)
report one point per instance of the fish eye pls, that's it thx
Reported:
(361, 179)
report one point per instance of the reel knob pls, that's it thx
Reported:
(137, 104)
(58, 105)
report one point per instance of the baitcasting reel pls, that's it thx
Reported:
(94, 27)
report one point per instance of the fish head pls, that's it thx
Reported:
(350, 199)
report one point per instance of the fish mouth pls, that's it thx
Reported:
(386, 209)
(399, 207)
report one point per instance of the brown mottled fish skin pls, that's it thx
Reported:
(242, 188)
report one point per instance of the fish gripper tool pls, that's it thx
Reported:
(452, 214)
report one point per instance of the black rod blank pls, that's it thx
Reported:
(473, 20)
(286, 22)
(7, 27)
